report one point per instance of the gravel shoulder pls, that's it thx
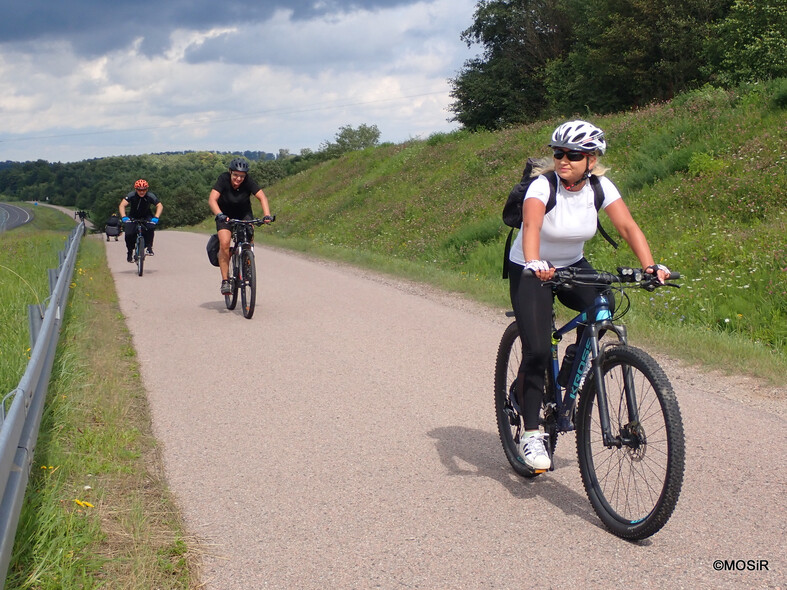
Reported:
(345, 438)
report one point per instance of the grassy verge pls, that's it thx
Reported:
(97, 513)
(25, 255)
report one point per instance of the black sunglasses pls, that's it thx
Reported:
(573, 156)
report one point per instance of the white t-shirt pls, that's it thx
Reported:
(570, 224)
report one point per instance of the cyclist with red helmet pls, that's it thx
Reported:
(556, 239)
(139, 202)
(230, 198)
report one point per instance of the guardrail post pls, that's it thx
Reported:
(35, 319)
(52, 273)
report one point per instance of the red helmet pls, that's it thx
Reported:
(141, 184)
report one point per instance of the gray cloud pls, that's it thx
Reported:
(94, 27)
(138, 78)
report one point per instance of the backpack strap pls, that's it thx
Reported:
(598, 198)
(506, 252)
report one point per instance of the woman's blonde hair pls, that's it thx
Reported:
(544, 165)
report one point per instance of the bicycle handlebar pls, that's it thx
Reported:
(272, 218)
(636, 277)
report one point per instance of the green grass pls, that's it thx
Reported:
(97, 513)
(25, 255)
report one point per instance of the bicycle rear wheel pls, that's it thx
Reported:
(633, 487)
(248, 293)
(231, 300)
(139, 254)
(509, 418)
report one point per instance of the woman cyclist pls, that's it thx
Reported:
(230, 198)
(547, 241)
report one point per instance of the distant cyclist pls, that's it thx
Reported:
(139, 202)
(230, 198)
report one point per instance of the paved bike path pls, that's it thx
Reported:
(344, 437)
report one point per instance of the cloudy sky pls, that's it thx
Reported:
(90, 78)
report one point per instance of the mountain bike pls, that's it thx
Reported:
(139, 244)
(629, 431)
(243, 274)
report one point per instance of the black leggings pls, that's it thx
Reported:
(532, 301)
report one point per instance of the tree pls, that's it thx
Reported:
(504, 85)
(349, 139)
(630, 52)
(268, 172)
(750, 44)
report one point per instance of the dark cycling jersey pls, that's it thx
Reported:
(140, 206)
(235, 203)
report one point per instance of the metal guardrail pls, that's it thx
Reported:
(19, 426)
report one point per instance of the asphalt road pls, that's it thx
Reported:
(12, 216)
(345, 438)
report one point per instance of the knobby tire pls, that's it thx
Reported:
(231, 300)
(634, 488)
(248, 283)
(140, 254)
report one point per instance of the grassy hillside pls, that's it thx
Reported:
(704, 175)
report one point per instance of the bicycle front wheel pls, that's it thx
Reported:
(510, 424)
(634, 484)
(139, 255)
(248, 291)
(231, 299)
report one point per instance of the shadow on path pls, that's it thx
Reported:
(457, 445)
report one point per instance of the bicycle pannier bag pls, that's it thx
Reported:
(213, 249)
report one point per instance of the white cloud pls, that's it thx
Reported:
(278, 84)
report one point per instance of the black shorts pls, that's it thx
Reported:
(228, 226)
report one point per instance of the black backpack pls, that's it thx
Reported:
(512, 210)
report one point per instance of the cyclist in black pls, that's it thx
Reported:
(139, 200)
(230, 198)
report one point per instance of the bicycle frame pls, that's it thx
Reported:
(588, 351)
(240, 239)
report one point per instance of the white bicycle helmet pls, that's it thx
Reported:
(581, 136)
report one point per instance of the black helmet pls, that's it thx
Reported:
(239, 165)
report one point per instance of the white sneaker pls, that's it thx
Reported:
(534, 452)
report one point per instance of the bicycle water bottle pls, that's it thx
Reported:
(565, 368)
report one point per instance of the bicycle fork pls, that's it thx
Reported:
(630, 433)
